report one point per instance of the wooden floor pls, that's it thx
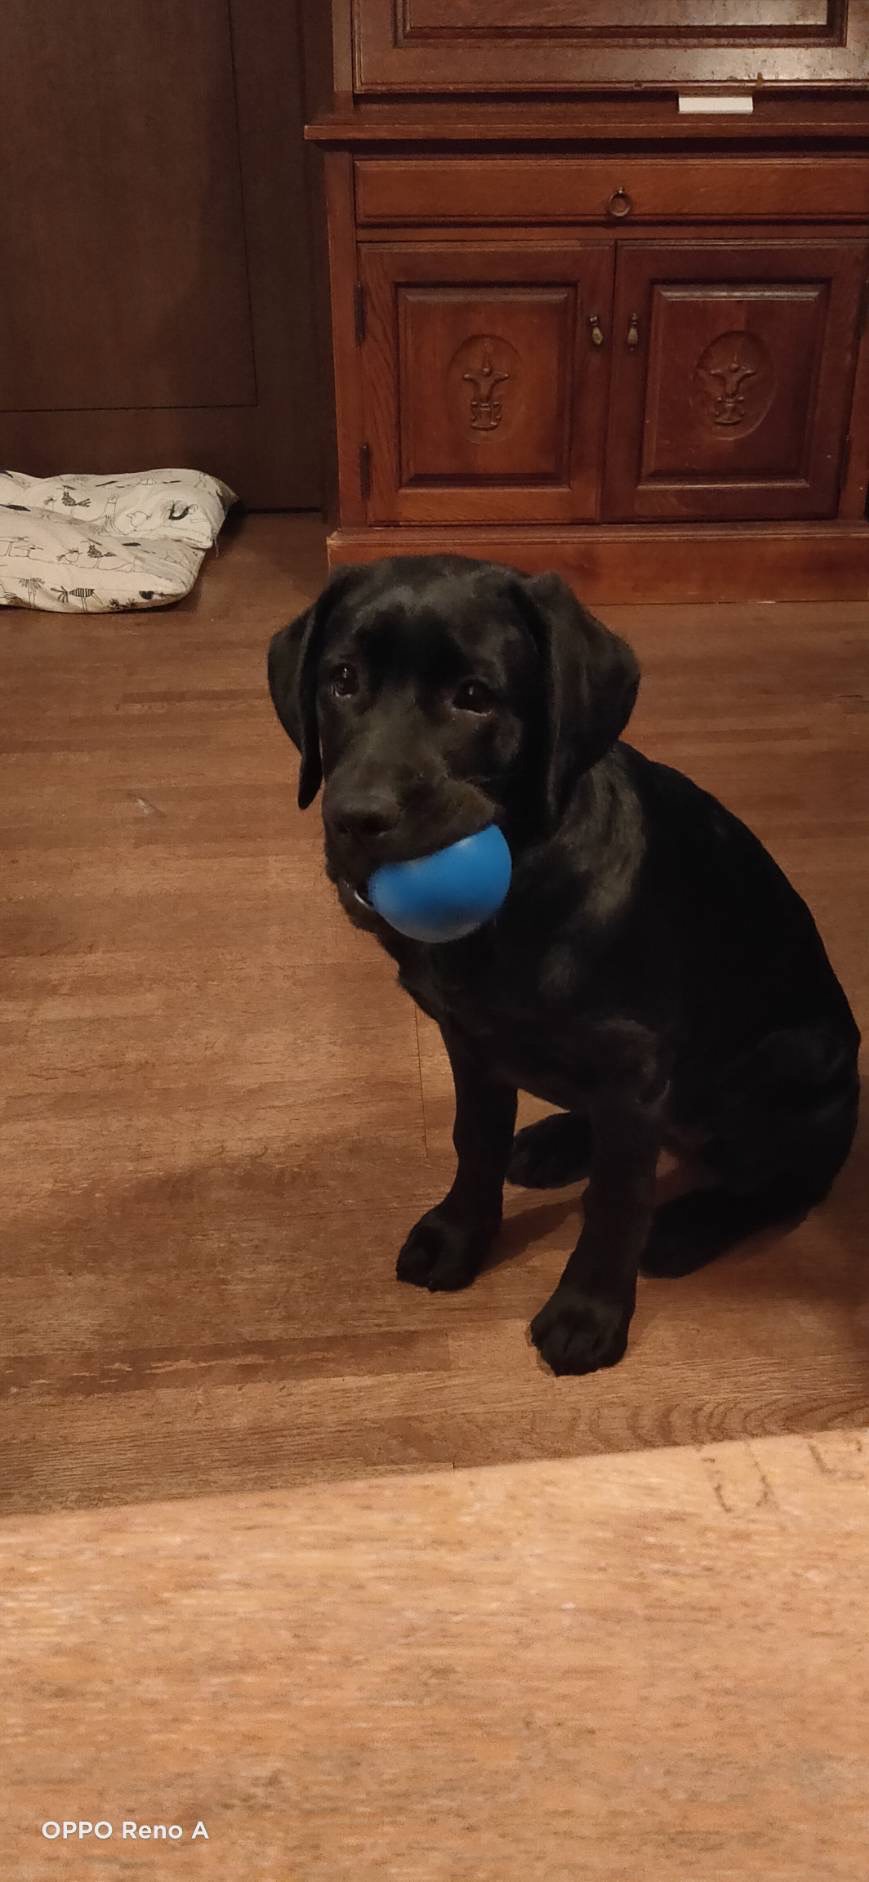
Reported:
(219, 1116)
(607, 1669)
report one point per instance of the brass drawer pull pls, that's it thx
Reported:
(619, 204)
(633, 339)
(598, 337)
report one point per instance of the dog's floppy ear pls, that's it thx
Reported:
(591, 678)
(294, 655)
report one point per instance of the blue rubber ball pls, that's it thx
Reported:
(449, 894)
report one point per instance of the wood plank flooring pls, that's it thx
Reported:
(610, 1668)
(219, 1116)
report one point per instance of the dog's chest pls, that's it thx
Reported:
(482, 988)
(503, 1009)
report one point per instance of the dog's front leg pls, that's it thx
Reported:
(447, 1247)
(584, 1324)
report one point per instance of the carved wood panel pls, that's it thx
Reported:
(732, 373)
(485, 380)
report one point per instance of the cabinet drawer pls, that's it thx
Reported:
(610, 190)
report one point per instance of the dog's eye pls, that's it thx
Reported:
(472, 696)
(344, 681)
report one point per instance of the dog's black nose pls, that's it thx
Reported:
(365, 818)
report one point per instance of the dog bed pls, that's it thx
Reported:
(101, 544)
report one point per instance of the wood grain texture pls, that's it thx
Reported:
(634, 117)
(156, 247)
(576, 45)
(109, 189)
(613, 1667)
(220, 1116)
(735, 399)
(675, 562)
(668, 20)
(440, 343)
(728, 365)
(581, 189)
(347, 379)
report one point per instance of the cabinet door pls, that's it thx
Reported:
(559, 45)
(485, 375)
(732, 371)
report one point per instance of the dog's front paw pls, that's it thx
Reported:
(443, 1255)
(577, 1333)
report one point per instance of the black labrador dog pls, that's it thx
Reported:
(652, 972)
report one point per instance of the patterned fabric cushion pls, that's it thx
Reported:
(105, 543)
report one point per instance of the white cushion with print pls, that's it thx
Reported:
(102, 544)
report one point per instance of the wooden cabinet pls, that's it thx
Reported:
(599, 335)
(715, 385)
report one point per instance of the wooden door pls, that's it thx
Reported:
(559, 45)
(485, 381)
(154, 243)
(733, 364)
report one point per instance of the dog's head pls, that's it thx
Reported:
(435, 695)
